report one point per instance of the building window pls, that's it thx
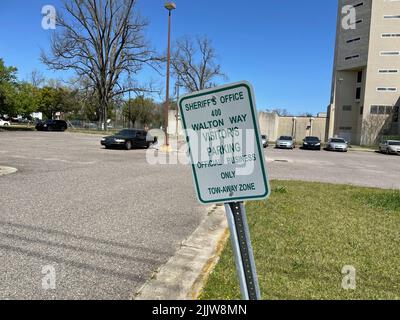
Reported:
(390, 53)
(345, 128)
(396, 16)
(361, 110)
(353, 40)
(384, 110)
(386, 89)
(390, 35)
(358, 93)
(388, 71)
(347, 108)
(356, 56)
(359, 76)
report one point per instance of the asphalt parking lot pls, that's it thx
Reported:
(106, 219)
(370, 169)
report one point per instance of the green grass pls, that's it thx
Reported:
(389, 201)
(96, 132)
(17, 128)
(307, 232)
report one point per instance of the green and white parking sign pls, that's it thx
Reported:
(223, 135)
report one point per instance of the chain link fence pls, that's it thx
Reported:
(96, 126)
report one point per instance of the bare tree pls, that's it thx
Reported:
(87, 98)
(103, 41)
(36, 78)
(194, 63)
(280, 112)
(377, 125)
(306, 114)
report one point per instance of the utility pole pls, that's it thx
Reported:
(169, 6)
(130, 110)
(178, 85)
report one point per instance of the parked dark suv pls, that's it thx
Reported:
(52, 125)
(128, 139)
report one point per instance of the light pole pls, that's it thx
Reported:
(130, 110)
(169, 6)
(178, 85)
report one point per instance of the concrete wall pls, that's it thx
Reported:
(274, 126)
(299, 127)
(269, 124)
(172, 123)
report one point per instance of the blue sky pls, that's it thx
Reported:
(284, 48)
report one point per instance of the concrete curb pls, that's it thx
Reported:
(184, 275)
(7, 170)
(362, 150)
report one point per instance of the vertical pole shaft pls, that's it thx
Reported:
(166, 112)
(243, 251)
(177, 115)
(236, 253)
(130, 111)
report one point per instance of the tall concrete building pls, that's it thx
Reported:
(366, 77)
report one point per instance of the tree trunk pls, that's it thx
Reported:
(132, 121)
(103, 118)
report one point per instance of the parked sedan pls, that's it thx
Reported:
(264, 140)
(312, 143)
(128, 139)
(4, 123)
(337, 144)
(52, 125)
(390, 147)
(285, 142)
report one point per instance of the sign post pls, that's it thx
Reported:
(243, 251)
(228, 163)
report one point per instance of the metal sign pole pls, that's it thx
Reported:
(219, 109)
(243, 251)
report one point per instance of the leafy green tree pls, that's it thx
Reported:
(71, 102)
(173, 105)
(90, 108)
(51, 100)
(7, 74)
(26, 100)
(158, 116)
(144, 110)
(8, 82)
